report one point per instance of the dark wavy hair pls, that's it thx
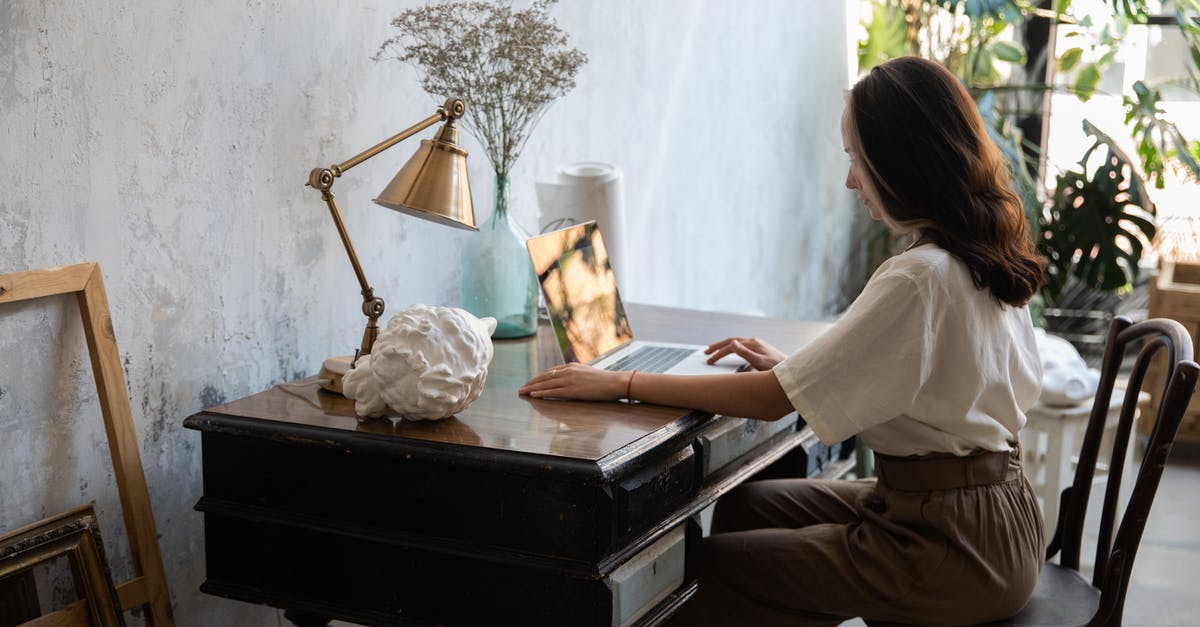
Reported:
(928, 154)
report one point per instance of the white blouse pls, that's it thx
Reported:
(921, 362)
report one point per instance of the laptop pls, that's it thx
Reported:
(585, 309)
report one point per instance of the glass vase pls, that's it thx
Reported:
(497, 275)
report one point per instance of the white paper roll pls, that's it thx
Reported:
(589, 191)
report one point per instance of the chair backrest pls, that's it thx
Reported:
(1114, 559)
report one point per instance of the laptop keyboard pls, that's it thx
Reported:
(651, 359)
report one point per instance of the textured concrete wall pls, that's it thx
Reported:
(724, 117)
(169, 141)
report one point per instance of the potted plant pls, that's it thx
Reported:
(1092, 229)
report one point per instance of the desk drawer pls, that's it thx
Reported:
(647, 578)
(728, 440)
(645, 497)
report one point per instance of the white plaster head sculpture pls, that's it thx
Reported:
(428, 363)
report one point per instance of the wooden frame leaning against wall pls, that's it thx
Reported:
(73, 534)
(148, 587)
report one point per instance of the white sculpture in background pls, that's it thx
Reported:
(428, 363)
(1066, 378)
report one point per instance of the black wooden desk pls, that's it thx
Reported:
(517, 511)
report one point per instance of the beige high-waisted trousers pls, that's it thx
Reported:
(937, 540)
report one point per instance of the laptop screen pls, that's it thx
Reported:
(581, 291)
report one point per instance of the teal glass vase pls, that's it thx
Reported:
(497, 275)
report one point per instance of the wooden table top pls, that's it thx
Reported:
(501, 419)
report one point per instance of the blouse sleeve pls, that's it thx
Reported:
(869, 367)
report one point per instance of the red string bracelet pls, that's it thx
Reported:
(629, 386)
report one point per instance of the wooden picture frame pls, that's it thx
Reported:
(148, 587)
(74, 534)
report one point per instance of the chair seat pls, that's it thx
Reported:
(1062, 597)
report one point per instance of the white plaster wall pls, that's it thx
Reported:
(170, 140)
(724, 117)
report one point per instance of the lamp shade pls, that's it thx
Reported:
(433, 184)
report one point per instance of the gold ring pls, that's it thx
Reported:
(554, 373)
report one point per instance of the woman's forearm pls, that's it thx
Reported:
(755, 394)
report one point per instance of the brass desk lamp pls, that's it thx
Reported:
(433, 185)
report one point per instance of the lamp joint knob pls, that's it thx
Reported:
(373, 308)
(322, 178)
(453, 109)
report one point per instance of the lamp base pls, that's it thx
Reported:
(332, 371)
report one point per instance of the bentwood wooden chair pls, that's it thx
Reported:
(1063, 596)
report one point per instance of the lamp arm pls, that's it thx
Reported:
(372, 306)
(322, 179)
(451, 110)
(389, 142)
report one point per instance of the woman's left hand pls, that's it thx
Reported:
(759, 354)
(576, 381)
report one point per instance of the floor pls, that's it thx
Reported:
(1165, 589)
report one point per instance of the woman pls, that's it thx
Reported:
(932, 366)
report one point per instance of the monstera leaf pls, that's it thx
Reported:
(1098, 223)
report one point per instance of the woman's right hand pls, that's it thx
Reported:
(579, 382)
(759, 354)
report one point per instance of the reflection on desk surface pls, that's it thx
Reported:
(500, 418)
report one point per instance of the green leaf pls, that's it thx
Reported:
(1141, 90)
(1070, 59)
(1000, 10)
(1133, 9)
(1152, 133)
(886, 39)
(1187, 13)
(1008, 51)
(1183, 154)
(1061, 6)
(1086, 81)
(997, 26)
(983, 68)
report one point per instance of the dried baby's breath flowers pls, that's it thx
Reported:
(508, 65)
